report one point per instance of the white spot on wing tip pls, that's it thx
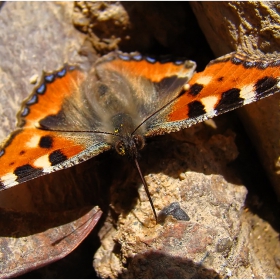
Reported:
(204, 80)
(42, 162)
(9, 179)
(248, 94)
(209, 103)
(33, 142)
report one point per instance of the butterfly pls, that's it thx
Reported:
(76, 113)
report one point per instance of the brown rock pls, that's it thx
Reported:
(228, 26)
(34, 37)
(198, 248)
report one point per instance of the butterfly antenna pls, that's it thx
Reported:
(80, 131)
(146, 187)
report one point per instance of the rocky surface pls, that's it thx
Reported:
(205, 246)
(199, 170)
(228, 26)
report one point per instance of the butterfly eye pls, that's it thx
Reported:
(120, 148)
(139, 141)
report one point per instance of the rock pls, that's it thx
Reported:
(198, 247)
(197, 171)
(228, 26)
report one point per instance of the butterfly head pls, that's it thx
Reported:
(130, 145)
(128, 142)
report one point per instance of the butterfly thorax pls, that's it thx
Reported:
(126, 142)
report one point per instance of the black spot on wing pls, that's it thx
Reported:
(196, 109)
(220, 79)
(195, 89)
(24, 169)
(46, 142)
(21, 152)
(26, 172)
(57, 157)
(230, 99)
(53, 121)
(265, 84)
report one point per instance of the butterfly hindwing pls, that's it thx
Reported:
(226, 83)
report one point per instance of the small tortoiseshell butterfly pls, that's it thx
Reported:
(74, 114)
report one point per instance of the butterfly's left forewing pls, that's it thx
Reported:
(226, 83)
(34, 149)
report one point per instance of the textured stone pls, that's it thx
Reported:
(198, 248)
(35, 36)
(218, 241)
(228, 26)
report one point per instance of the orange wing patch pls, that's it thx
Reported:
(47, 99)
(148, 67)
(226, 84)
(29, 150)
(29, 146)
